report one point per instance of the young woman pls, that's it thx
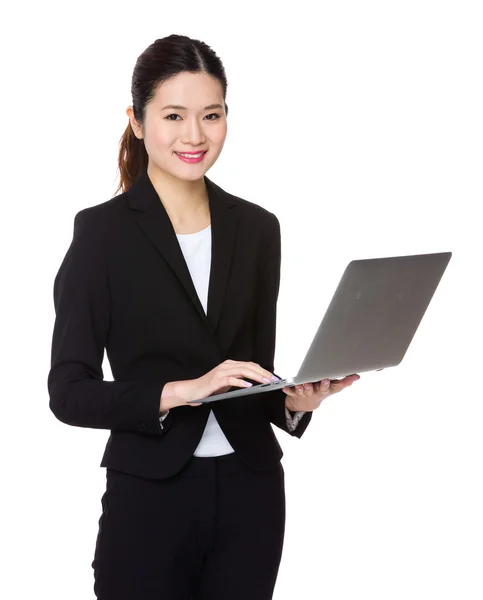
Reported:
(178, 281)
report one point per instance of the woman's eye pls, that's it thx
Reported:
(176, 115)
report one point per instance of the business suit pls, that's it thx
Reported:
(124, 285)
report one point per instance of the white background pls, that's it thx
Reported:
(360, 125)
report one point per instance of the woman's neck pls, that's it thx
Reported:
(186, 202)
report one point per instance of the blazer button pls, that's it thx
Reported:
(142, 427)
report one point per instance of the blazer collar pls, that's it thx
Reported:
(151, 216)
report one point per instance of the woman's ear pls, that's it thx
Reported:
(134, 124)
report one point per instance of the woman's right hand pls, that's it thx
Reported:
(229, 373)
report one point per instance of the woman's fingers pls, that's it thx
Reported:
(307, 389)
(252, 373)
(310, 395)
(326, 385)
(337, 386)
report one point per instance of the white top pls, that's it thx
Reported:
(196, 248)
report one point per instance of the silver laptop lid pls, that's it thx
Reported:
(373, 315)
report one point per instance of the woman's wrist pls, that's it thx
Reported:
(168, 399)
(288, 404)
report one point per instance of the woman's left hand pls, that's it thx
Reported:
(309, 396)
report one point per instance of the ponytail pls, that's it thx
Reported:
(132, 160)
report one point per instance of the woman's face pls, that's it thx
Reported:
(198, 126)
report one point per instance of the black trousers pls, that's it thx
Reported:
(213, 532)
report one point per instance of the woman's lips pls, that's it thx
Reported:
(189, 160)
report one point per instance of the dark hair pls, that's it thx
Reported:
(162, 60)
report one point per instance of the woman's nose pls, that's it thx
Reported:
(193, 133)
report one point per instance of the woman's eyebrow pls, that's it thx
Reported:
(178, 107)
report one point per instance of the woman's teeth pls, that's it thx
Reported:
(190, 155)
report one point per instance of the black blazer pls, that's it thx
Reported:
(124, 285)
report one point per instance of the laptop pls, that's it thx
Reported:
(369, 323)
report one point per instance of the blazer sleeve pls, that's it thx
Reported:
(78, 394)
(265, 332)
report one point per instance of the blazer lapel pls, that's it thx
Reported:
(151, 216)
